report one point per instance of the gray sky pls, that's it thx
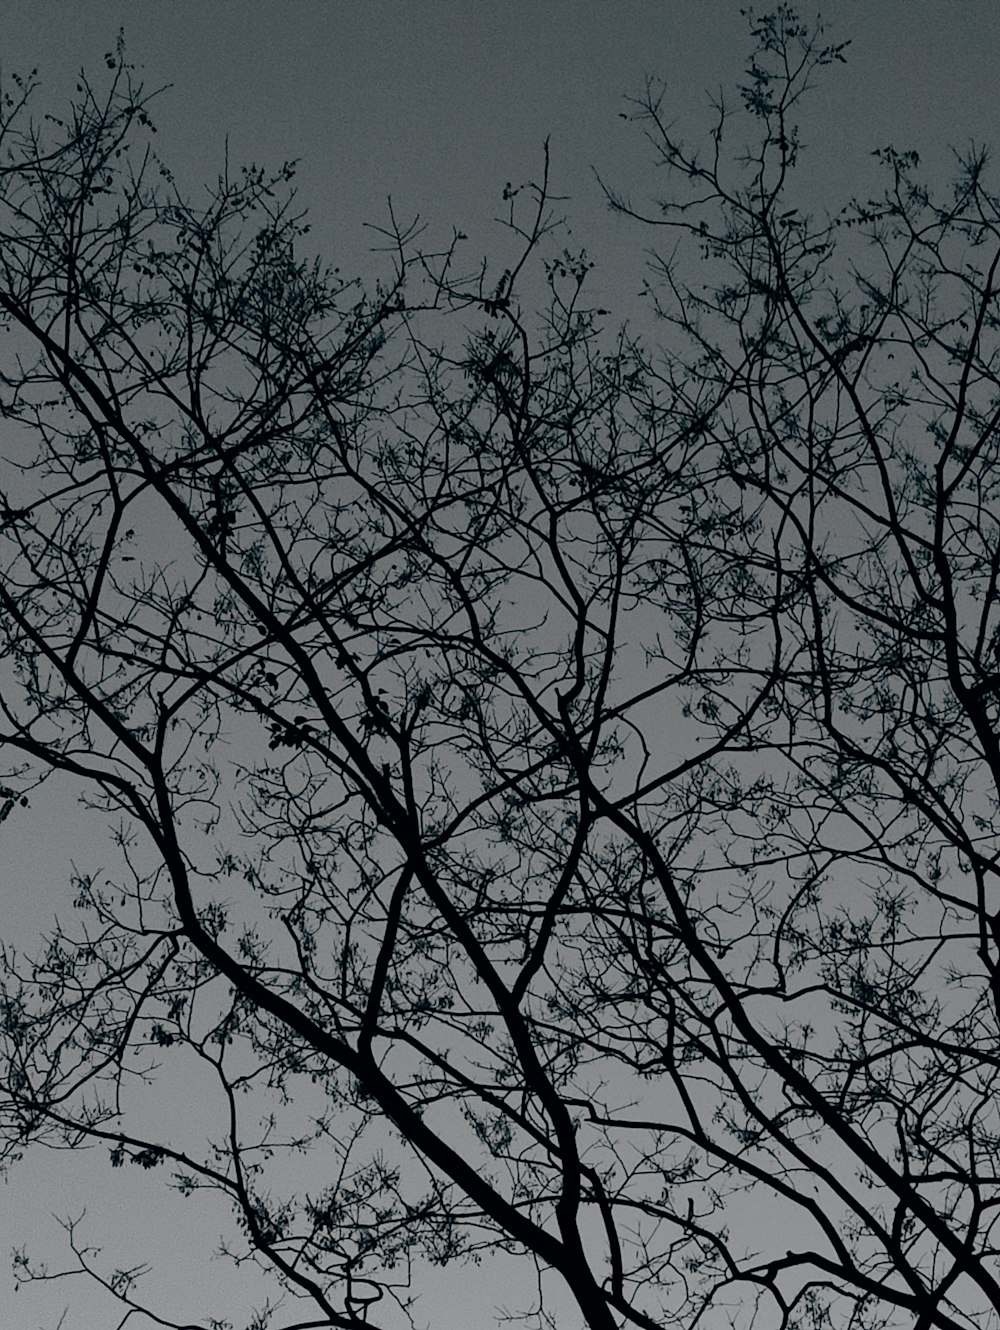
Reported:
(439, 103)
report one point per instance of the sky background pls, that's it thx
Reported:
(439, 103)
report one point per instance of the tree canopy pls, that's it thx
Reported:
(551, 773)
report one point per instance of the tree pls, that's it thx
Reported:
(554, 777)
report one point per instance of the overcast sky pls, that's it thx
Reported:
(439, 103)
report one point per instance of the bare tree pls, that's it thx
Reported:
(554, 782)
